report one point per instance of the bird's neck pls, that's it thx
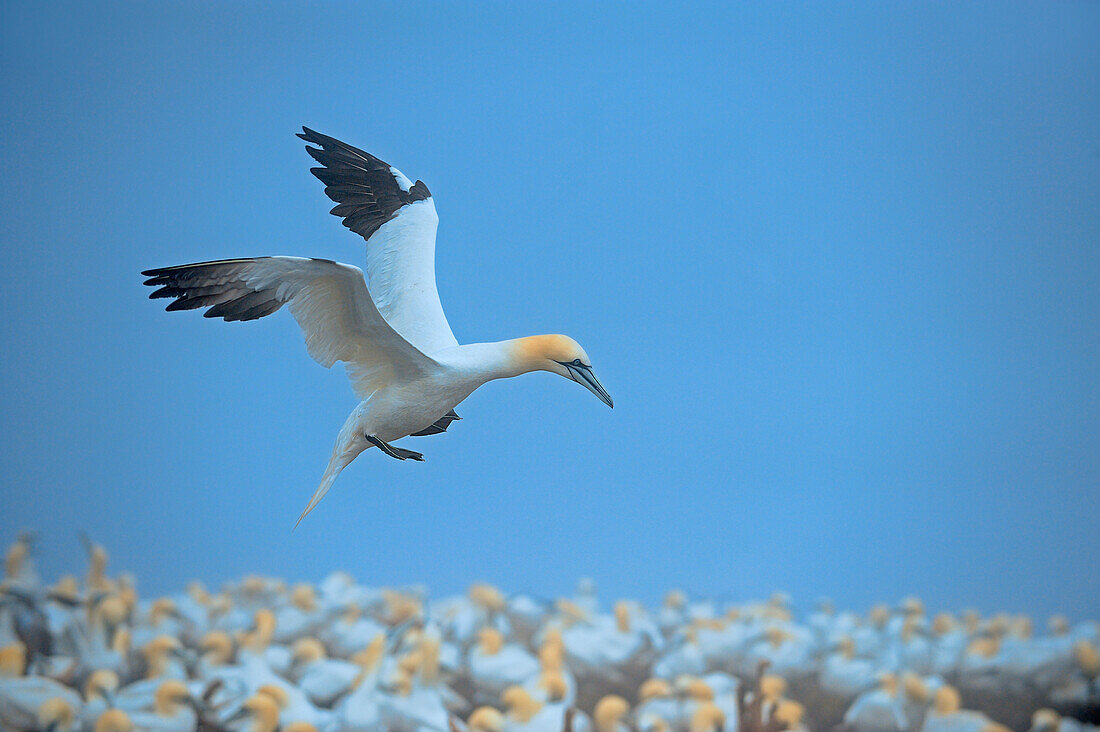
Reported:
(488, 361)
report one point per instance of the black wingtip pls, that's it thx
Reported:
(315, 137)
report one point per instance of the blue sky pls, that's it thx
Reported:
(837, 263)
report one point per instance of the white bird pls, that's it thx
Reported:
(171, 711)
(22, 696)
(400, 354)
(878, 709)
(323, 679)
(494, 665)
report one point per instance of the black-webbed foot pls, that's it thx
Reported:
(403, 454)
(395, 452)
(439, 426)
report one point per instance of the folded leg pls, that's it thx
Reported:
(395, 452)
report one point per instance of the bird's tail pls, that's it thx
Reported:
(339, 461)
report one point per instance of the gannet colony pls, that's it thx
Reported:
(257, 655)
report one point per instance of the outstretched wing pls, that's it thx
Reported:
(329, 300)
(397, 218)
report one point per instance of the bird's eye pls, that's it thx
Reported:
(577, 362)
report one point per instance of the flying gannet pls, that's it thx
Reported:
(400, 354)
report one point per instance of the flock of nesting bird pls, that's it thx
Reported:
(258, 656)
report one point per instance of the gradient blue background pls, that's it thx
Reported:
(837, 263)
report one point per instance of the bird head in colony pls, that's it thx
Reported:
(563, 356)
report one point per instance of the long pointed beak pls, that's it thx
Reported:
(584, 376)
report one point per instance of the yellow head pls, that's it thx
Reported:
(915, 688)
(775, 636)
(16, 556)
(100, 683)
(772, 687)
(66, 588)
(551, 656)
(943, 624)
(13, 660)
(650, 722)
(298, 726)
(999, 624)
(258, 639)
(400, 607)
(252, 585)
(217, 647)
(888, 682)
(707, 718)
(622, 617)
(162, 607)
(276, 694)
(169, 696)
(1087, 657)
(675, 600)
(97, 568)
(486, 719)
(553, 637)
(699, 690)
(570, 611)
(553, 683)
(912, 606)
(307, 650)
(196, 590)
(986, 647)
(410, 663)
(1045, 720)
(114, 720)
(121, 642)
(490, 641)
(371, 656)
(609, 712)
(790, 713)
(156, 654)
(304, 597)
(654, 689)
(560, 355)
(429, 660)
(946, 700)
(264, 712)
(111, 610)
(487, 597)
(55, 713)
(521, 706)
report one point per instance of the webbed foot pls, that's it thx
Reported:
(395, 452)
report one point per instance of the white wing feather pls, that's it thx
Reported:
(329, 300)
(401, 270)
(397, 218)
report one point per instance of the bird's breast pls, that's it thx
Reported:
(412, 407)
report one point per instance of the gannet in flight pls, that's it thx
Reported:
(400, 354)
